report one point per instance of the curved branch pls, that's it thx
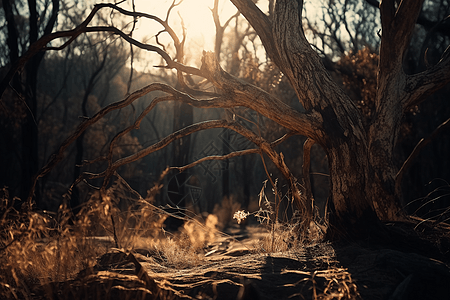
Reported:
(230, 155)
(185, 98)
(419, 86)
(59, 154)
(422, 143)
(262, 25)
(250, 96)
(264, 147)
(41, 44)
(257, 140)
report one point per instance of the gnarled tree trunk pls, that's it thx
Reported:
(361, 159)
(342, 133)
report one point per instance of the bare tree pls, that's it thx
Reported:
(360, 156)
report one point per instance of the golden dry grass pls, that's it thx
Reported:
(107, 251)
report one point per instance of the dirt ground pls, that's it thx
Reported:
(231, 269)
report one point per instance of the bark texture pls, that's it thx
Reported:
(341, 133)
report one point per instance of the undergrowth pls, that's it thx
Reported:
(286, 231)
(38, 248)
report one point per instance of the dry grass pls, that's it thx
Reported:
(39, 249)
(330, 284)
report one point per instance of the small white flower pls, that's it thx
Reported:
(240, 215)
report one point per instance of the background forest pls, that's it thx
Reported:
(63, 87)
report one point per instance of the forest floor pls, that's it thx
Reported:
(231, 268)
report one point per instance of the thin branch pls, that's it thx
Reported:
(41, 44)
(422, 143)
(250, 96)
(130, 78)
(135, 14)
(230, 155)
(171, 64)
(59, 154)
(262, 25)
(216, 157)
(419, 86)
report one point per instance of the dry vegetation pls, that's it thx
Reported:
(108, 253)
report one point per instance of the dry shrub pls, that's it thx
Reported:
(359, 77)
(183, 249)
(225, 211)
(201, 234)
(140, 225)
(39, 248)
(283, 235)
(334, 283)
(178, 253)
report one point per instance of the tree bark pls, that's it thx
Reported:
(342, 134)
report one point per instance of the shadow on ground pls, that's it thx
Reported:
(231, 270)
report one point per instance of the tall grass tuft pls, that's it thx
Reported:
(284, 234)
(38, 248)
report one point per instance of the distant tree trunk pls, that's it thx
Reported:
(9, 135)
(29, 130)
(79, 143)
(226, 167)
(30, 155)
(182, 117)
(30, 148)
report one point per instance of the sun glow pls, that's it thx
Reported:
(194, 16)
